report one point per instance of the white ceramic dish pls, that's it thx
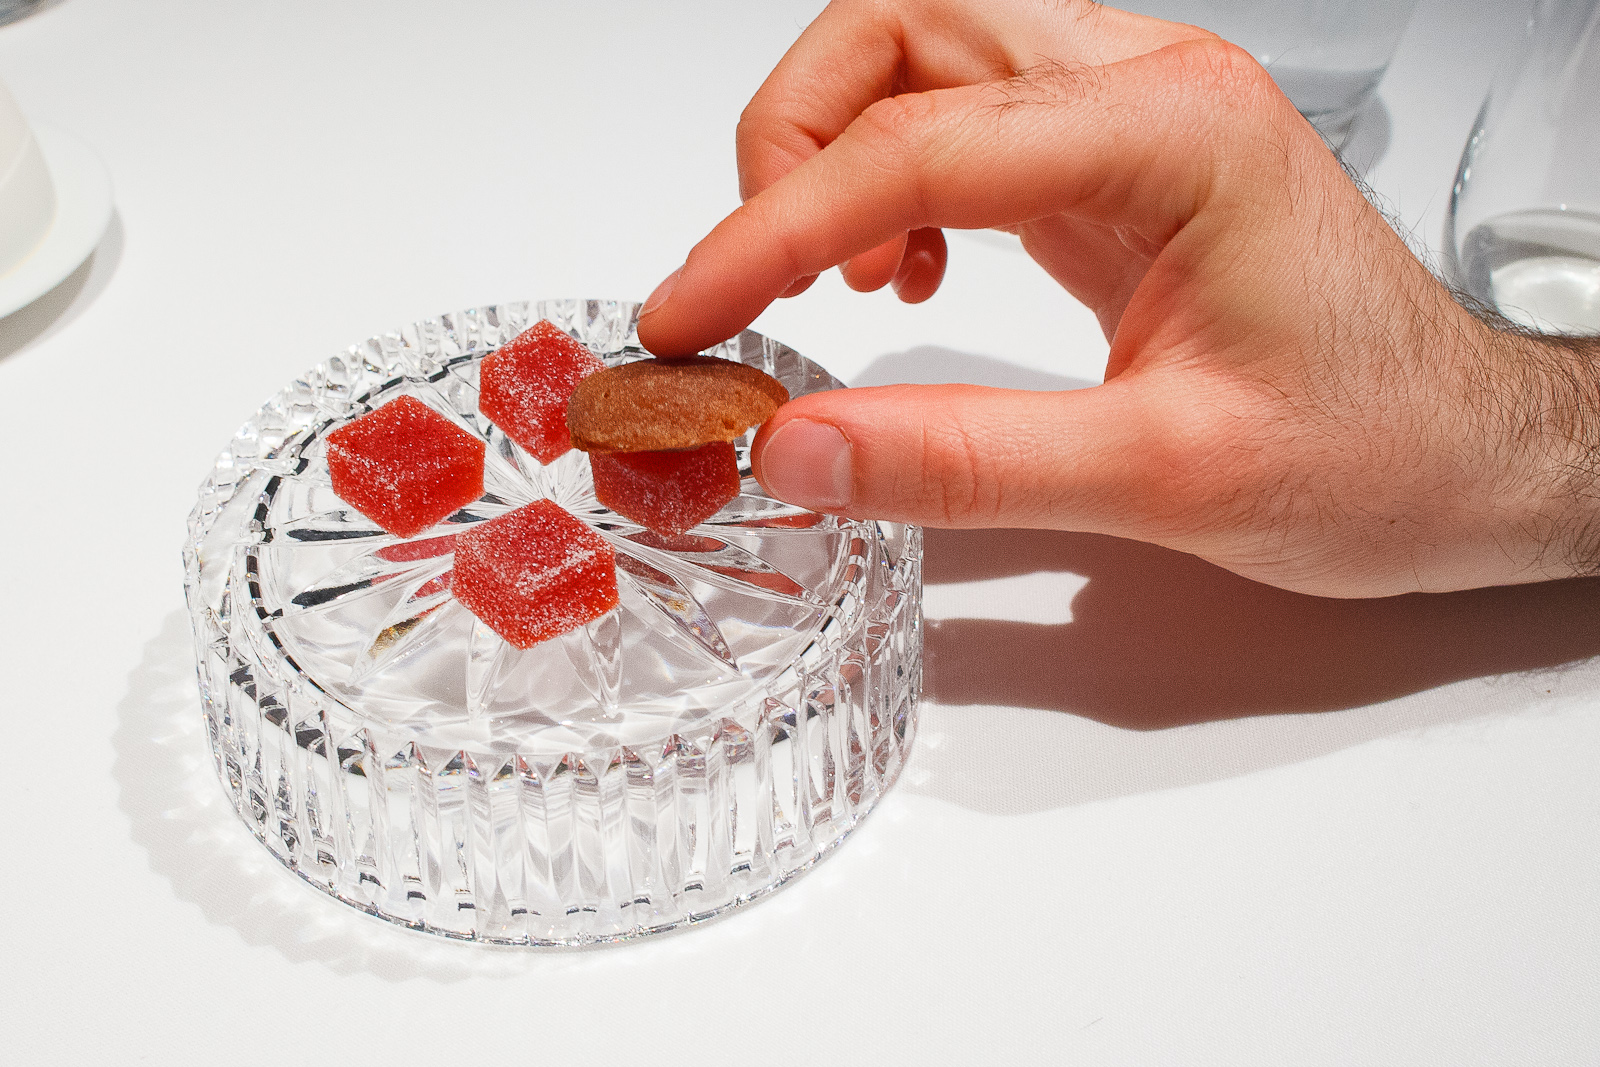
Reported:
(83, 211)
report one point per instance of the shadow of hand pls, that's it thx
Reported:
(1160, 639)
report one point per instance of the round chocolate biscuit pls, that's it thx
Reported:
(660, 404)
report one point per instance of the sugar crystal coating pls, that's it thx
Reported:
(534, 573)
(405, 466)
(524, 387)
(667, 492)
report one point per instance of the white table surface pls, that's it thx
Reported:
(1223, 824)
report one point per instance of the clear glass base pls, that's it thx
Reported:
(745, 705)
(1540, 268)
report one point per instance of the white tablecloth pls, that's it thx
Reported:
(1166, 817)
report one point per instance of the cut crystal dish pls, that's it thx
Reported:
(738, 713)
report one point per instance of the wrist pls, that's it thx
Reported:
(1544, 393)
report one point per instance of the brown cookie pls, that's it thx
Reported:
(658, 404)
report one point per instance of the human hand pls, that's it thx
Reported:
(1289, 392)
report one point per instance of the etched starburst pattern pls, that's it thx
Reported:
(744, 706)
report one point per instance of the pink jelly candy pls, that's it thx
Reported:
(668, 492)
(524, 387)
(534, 573)
(405, 466)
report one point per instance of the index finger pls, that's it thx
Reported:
(858, 52)
(1138, 145)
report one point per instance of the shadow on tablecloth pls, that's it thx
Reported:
(52, 312)
(1116, 701)
(180, 815)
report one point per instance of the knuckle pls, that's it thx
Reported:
(793, 252)
(895, 139)
(1229, 70)
(760, 125)
(767, 146)
(1242, 113)
(896, 123)
(958, 482)
(749, 131)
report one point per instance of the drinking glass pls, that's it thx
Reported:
(1326, 55)
(1524, 223)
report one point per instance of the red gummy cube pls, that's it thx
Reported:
(534, 573)
(405, 466)
(668, 492)
(416, 551)
(524, 388)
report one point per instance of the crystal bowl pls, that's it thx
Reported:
(746, 704)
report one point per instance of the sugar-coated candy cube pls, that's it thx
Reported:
(668, 492)
(405, 466)
(534, 573)
(524, 386)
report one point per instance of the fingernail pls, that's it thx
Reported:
(661, 293)
(808, 463)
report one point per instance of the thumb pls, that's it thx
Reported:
(966, 456)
